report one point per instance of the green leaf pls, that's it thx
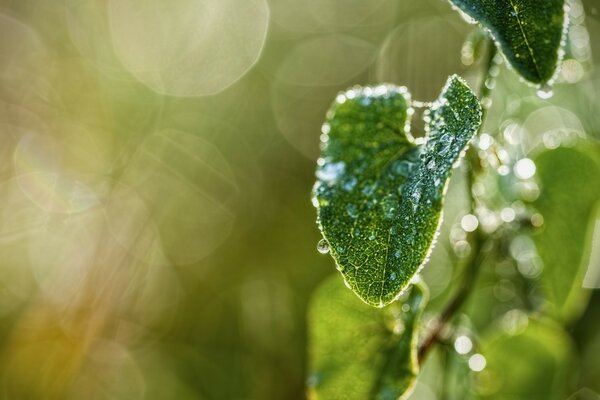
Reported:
(526, 359)
(359, 352)
(570, 193)
(529, 32)
(379, 195)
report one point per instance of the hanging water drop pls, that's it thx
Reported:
(545, 91)
(323, 246)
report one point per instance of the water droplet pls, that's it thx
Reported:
(545, 91)
(381, 90)
(446, 144)
(350, 184)
(365, 101)
(397, 255)
(486, 102)
(323, 246)
(372, 236)
(393, 276)
(406, 307)
(400, 188)
(315, 201)
(352, 210)
(330, 172)
(402, 168)
(416, 196)
(389, 205)
(356, 232)
(368, 189)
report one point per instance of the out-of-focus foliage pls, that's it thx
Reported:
(157, 246)
(379, 195)
(530, 359)
(569, 220)
(358, 352)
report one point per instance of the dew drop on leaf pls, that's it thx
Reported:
(323, 246)
(352, 210)
(545, 92)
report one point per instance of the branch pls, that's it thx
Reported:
(476, 239)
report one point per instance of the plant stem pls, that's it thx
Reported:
(477, 239)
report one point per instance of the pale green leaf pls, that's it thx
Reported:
(360, 352)
(525, 359)
(570, 193)
(529, 32)
(379, 195)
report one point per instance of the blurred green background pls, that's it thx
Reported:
(157, 239)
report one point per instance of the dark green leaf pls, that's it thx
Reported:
(570, 193)
(526, 359)
(379, 195)
(529, 32)
(359, 352)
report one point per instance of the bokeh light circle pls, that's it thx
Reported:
(188, 48)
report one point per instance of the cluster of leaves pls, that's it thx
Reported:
(380, 194)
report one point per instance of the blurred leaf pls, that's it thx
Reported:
(379, 195)
(445, 375)
(529, 32)
(358, 352)
(527, 359)
(474, 46)
(570, 192)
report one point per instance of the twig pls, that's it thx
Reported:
(477, 238)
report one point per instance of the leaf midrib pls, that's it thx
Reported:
(520, 24)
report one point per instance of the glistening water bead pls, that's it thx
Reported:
(323, 246)
(545, 92)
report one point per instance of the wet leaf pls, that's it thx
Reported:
(568, 213)
(379, 195)
(528, 32)
(526, 359)
(359, 352)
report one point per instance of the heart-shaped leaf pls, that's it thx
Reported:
(529, 32)
(358, 352)
(378, 194)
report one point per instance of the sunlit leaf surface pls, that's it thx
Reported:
(379, 195)
(359, 352)
(529, 32)
(526, 359)
(568, 215)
